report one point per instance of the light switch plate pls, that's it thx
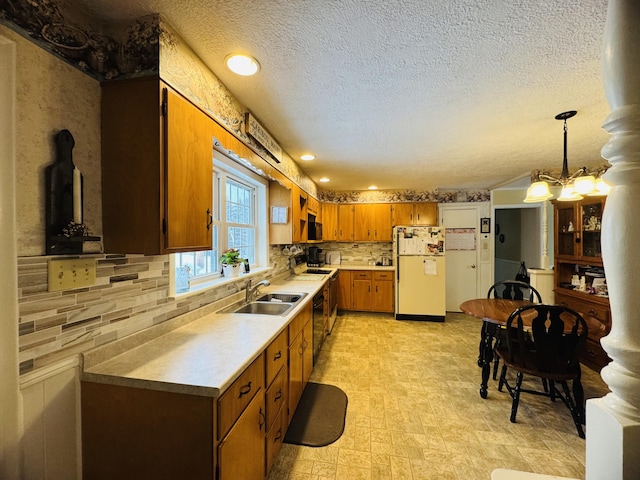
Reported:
(71, 273)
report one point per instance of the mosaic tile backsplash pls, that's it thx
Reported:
(131, 294)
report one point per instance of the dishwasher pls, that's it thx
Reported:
(318, 323)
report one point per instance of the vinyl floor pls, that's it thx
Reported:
(415, 413)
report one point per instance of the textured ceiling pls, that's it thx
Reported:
(407, 94)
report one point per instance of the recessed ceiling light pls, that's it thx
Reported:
(324, 179)
(242, 64)
(373, 187)
(307, 156)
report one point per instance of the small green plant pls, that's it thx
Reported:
(230, 257)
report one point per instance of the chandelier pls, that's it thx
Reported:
(581, 182)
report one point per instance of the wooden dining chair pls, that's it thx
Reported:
(510, 290)
(549, 350)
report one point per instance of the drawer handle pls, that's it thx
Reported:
(593, 313)
(277, 356)
(278, 436)
(244, 390)
(278, 396)
(261, 419)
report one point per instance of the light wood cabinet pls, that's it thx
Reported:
(300, 355)
(366, 290)
(383, 292)
(344, 290)
(372, 222)
(299, 214)
(361, 290)
(156, 169)
(346, 215)
(414, 213)
(241, 454)
(329, 221)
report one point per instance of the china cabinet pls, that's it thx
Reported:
(579, 269)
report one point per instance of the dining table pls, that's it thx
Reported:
(494, 313)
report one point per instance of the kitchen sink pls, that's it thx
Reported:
(274, 303)
(282, 297)
(265, 308)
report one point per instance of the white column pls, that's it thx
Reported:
(613, 422)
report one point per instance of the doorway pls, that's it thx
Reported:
(462, 259)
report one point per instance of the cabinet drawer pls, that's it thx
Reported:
(593, 355)
(276, 396)
(233, 401)
(592, 313)
(276, 356)
(383, 275)
(361, 275)
(297, 324)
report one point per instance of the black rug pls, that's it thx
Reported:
(319, 417)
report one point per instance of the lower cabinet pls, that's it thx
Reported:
(130, 432)
(366, 290)
(300, 356)
(595, 312)
(241, 453)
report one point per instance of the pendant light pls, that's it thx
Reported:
(582, 182)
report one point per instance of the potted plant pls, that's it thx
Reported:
(231, 262)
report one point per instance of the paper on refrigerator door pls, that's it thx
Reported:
(430, 266)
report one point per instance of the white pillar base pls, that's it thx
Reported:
(612, 444)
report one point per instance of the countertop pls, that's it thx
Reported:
(204, 356)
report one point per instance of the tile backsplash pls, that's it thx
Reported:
(131, 293)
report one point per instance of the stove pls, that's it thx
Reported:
(317, 271)
(315, 264)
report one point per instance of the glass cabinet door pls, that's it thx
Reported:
(591, 214)
(566, 230)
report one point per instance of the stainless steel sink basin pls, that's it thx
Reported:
(282, 297)
(265, 308)
(274, 303)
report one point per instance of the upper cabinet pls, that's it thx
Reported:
(329, 221)
(417, 213)
(157, 170)
(578, 230)
(372, 222)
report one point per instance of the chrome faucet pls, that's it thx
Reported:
(252, 291)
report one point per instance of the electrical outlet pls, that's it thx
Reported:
(71, 273)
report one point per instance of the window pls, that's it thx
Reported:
(239, 221)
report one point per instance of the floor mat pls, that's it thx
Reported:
(320, 416)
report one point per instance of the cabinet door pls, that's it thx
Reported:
(361, 290)
(241, 454)
(363, 222)
(344, 290)
(590, 225)
(189, 183)
(381, 222)
(425, 213)
(382, 298)
(329, 221)
(296, 350)
(345, 223)
(401, 214)
(307, 352)
(566, 230)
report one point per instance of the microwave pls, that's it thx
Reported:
(314, 229)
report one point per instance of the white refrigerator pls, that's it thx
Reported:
(419, 254)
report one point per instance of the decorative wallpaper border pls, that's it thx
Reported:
(400, 196)
(150, 46)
